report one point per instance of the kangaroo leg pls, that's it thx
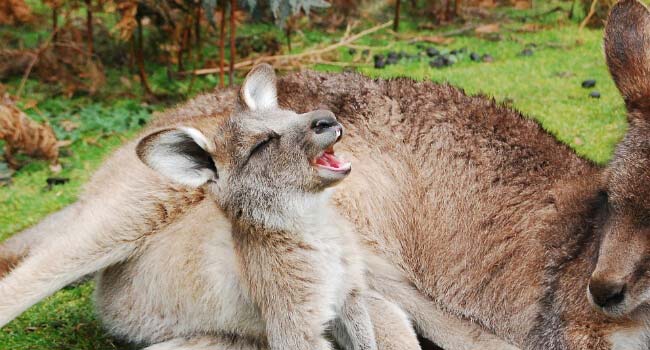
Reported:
(105, 229)
(447, 331)
(15, 248)
(207, 343)
(74, 249)
(355, 320)
(393, 329)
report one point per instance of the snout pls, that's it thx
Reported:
(324, 121)
(326, 132)
(606, 294)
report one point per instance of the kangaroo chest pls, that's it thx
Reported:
(311, 266)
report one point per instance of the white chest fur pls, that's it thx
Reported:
(187, 280)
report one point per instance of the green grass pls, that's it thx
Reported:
(545, 86)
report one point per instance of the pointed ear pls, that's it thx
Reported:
(627, 48)
(259, 90)
(179, 154)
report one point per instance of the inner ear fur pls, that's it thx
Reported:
(179, 154)
(259, 90)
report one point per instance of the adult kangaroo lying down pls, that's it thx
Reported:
(476, 224)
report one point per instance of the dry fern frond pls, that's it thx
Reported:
(21, 134)
(15, 11)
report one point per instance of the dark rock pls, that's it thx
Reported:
(51, 181)
(589, 83)
(443, 61)
(527, 52)
(487, 58)
(475, 57)
(437, 62)
(594, 94)
(380, 64)
(54, 181)
(432, 52)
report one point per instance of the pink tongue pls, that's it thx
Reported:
(329, 160)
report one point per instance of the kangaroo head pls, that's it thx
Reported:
(260, 158)
(620, 283)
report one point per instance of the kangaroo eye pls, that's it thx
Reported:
(260, 146)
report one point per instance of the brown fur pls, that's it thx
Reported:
(7, 263)
(485, 214)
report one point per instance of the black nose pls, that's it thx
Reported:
(323, 120)
(606, 294)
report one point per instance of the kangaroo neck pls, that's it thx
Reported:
(289, 213)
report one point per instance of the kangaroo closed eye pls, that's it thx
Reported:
(261, 145)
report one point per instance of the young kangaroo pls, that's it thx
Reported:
(270, 171)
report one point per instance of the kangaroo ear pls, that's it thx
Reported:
(179, 154)
(259, 90)
(627, 48)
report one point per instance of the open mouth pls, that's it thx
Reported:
(331, 162)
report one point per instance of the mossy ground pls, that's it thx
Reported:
(545, 86)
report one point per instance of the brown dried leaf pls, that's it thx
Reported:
(30, 103)
(15, 11)
(126, 82)
(522, 4)
(529, 28)
(53, 3)
(69, 125)
(22, 134)
(127, 23)
(489, 4)
(240, 17)
(434, 39)
(488, 28)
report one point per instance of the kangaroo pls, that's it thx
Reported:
(475, 223)
(269, 170)
(167, 255)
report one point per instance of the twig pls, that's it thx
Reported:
(592, 11)
(140, 60)
(298, 56)
(233, 33)
(222, 43)
(340, 64)
(360, 47)
(348, 29)
(89, 27)
(545, 13)
(461, 31)
(397, 13)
